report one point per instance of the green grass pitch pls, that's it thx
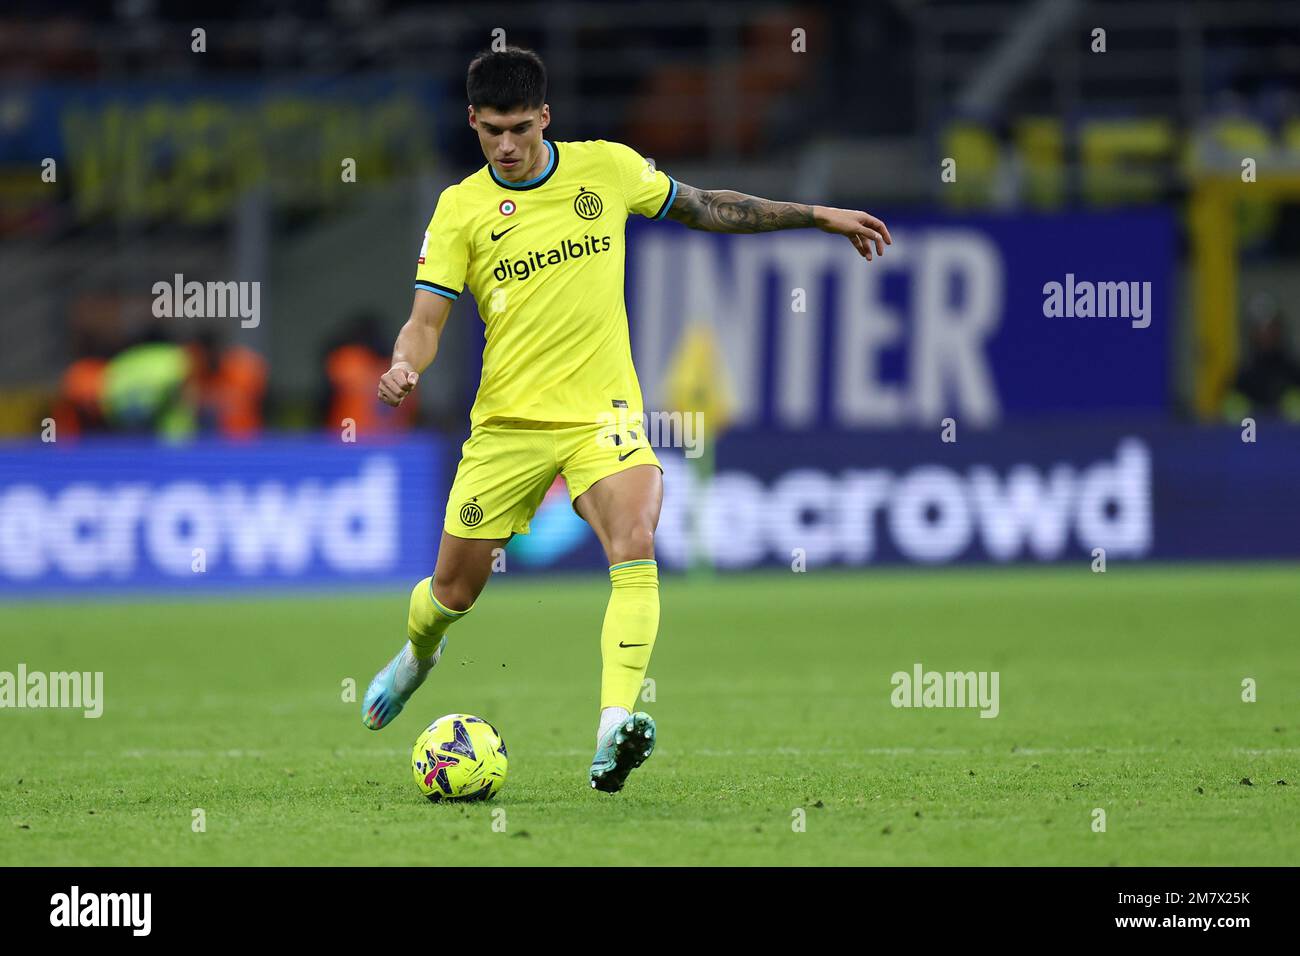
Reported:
(1120, 691)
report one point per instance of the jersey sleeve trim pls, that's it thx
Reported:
(672, 194)
(428, 286)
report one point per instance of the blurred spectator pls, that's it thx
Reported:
(95, 330)
(161, 387)
(229, 386)
(353, 362)
(1268, 381)
(146, 389)
(77, 407)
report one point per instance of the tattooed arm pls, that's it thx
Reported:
(721, 210)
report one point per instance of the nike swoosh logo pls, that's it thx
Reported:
(498, 235)
(629, 454)
(621, 644)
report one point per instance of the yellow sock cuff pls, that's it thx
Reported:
(443, 609)
(635, 574)
(428, 618)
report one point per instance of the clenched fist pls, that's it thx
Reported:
(396, 383)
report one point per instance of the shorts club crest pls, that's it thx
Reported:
(471, 514)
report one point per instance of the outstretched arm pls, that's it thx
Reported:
(721, 210)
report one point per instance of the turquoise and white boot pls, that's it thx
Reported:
(393, 686)
(624, 747)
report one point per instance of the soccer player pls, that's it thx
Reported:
(538, 236)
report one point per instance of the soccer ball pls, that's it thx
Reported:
(459, 757)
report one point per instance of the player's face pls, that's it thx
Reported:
(512, 142)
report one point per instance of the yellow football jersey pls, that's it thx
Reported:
(544, 260)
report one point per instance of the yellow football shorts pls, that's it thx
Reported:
(506, 469)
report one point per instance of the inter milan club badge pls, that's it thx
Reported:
(471, 513)
(507, 207)
(587, 204)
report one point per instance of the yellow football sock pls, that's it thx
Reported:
(628, 637)
(428, 619)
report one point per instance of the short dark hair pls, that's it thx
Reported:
(505, 80)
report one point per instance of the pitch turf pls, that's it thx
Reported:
(1119, 691)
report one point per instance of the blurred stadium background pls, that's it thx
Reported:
(1006, 148)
